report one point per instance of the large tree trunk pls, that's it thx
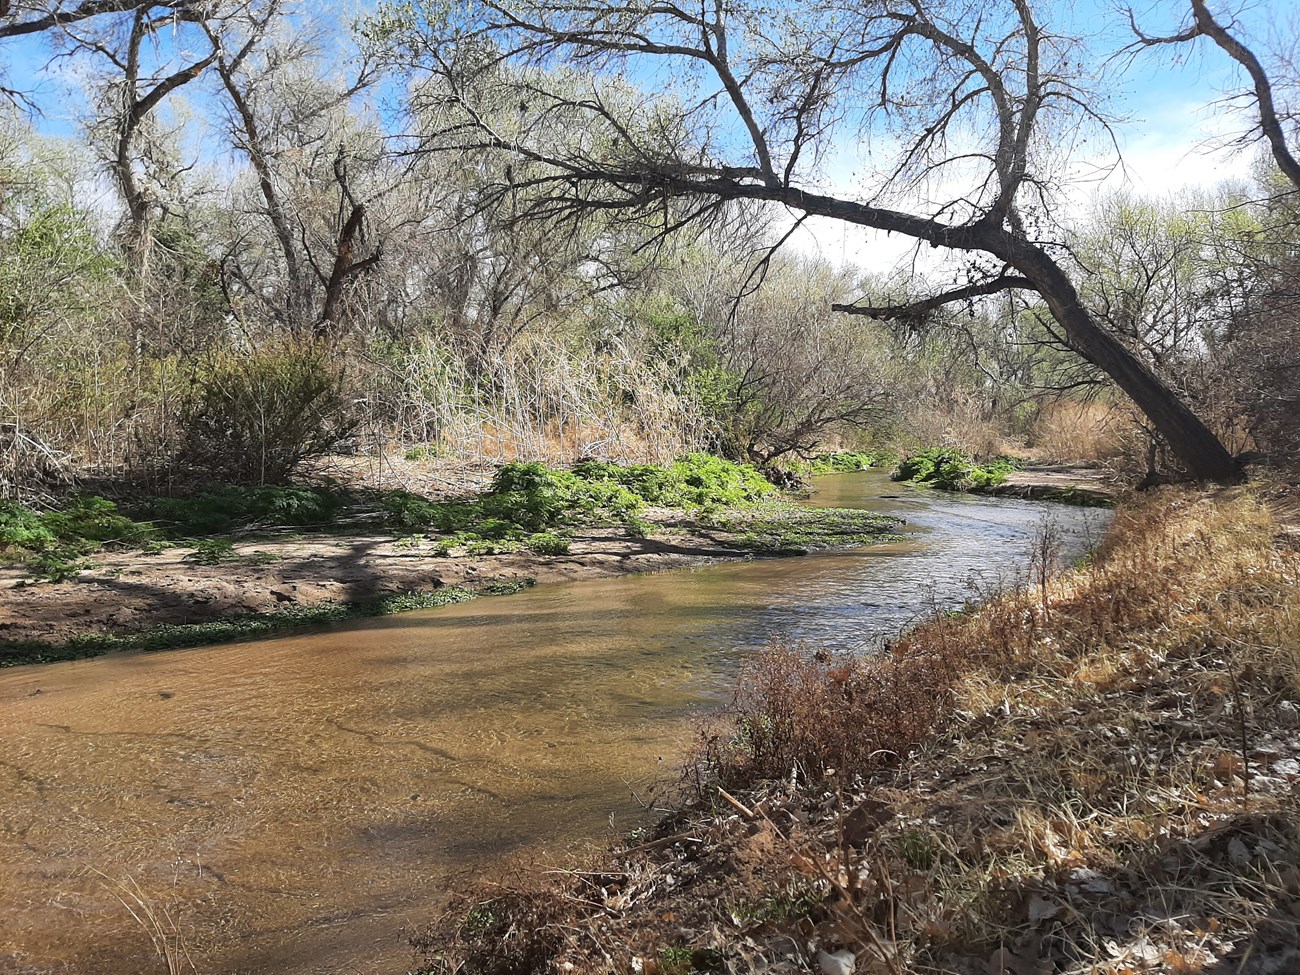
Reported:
(1192, 442)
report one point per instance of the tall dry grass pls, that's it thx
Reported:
(542, 397)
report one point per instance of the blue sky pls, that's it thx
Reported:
(1167, 96)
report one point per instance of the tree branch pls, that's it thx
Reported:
(915, 311)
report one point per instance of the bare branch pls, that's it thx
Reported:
(918, 311)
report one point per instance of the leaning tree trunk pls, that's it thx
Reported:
(1191, 441)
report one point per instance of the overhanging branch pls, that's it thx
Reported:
(916, 311)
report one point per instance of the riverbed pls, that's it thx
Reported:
(299, 804)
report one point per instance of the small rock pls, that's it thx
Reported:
(1238, 852)
(1288, 767)
(837, 963)
(1041, 909)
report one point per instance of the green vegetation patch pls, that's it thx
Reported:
(848, 461)
(693, 482)
(53, 544)
(951, 470)
(222, 509)
(528, 500)
(794, 529)
(527, 506)
(15, 653)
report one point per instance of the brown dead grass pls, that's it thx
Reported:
(1073, 432)
(1098, 774)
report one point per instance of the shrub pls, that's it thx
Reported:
(212, 551)
(693, 481)
(256, 416)
(22, 528)
(812, 713)
(225, 508)
(846, 461)
(85, 524)
(950, 470)
(95, 519)
(531, 498)
(549, 543)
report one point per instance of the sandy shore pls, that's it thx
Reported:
(1075, 485)
(127, 592)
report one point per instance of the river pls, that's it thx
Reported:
(298, 805)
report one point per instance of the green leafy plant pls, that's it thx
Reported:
(57, 565)
(949, 469)
(427, 451)
(549, 543)
(212, 551)
(847, 461)
(226, 508)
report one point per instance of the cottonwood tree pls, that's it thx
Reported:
(142, 57)
(19, 19)
(967, 113)
(1271, 118)
(22, 20)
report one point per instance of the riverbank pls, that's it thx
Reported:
(1096, 773)
(1068, 485)
(435, 550)
(949, 469)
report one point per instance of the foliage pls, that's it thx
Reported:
(212, 551)
(950, 470)
(694, 481)
(795, 529)
(225, 508)
(421, 452)
(95, 519)
(533, 499)
(549, 543)
(847, 461)
(87, 522)
(254, 418)
(57, 564)
(22, 528)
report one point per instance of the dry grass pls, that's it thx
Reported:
(1098, 775)
(1073, 432)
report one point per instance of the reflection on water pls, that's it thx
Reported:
(290, 805)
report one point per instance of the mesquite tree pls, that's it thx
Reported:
(966, 113)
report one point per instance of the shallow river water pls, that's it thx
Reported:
(298, 804)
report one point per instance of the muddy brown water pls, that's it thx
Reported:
(298, 805)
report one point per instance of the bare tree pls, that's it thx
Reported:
(144, 52)
(963, 106)
(1270, 119)
(24, 19)
(1263, 329)
(296, 131)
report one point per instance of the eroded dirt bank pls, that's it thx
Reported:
(130, 591)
